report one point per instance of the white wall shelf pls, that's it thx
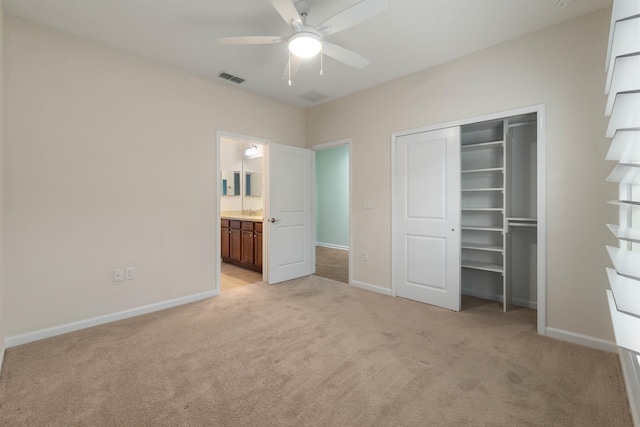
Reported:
(482, 247)
(499, 229)
(481, 189)
(483, 145)
(484, 266)
(485, 170)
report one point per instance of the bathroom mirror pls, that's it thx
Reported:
(253, 184)
(230, 183)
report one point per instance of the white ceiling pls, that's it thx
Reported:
(409, 36)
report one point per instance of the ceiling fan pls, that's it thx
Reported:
(306, 41)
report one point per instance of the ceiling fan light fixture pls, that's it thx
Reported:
(304, 44)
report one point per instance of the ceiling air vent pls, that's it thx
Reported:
(230, 77)
(313, 96)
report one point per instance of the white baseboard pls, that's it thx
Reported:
(100, 320)
(580, 339)
(332, 246)
(494, 297)
(372, 288)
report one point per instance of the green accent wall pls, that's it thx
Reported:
(332, 196)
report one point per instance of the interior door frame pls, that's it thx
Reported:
(218, 194)
(541, 196)
(323, 146)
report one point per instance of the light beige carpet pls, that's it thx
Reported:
(312, 352)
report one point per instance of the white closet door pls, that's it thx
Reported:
(426, 239)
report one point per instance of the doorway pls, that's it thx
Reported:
(241, 210)
(333, 236)
(273, 232)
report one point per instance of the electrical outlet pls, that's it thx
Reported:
(367, 204)
(130, 273)
(118, 275)
(365, 256)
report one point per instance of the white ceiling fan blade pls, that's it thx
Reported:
(347, 56)
(288, 11)
(356, 14)
(295, 62)
(251, 40)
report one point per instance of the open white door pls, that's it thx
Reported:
(426, 238)
(290, 245)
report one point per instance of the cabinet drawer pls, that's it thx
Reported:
(224, 223)
(247, 225)
(257, 226)
(234, 224)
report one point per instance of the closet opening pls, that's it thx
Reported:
(468, 213)
(499, 218)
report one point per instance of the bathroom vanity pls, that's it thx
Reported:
(241, 240)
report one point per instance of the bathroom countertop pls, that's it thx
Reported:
(240, 216)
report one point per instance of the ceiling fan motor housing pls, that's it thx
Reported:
(303, 7)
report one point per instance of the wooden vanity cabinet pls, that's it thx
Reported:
(224, 239)
(257, 244)
(246, 256)
(241, 243)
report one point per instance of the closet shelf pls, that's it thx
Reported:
(524, 123)
(483, 170)
(522, 222)
(466, 227)
(482, 247)
(479, 265)
(483, 209)
(482, 145)
(482, 189)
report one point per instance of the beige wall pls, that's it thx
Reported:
(562, 67)
(111, 163)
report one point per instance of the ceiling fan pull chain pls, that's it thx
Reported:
(289, 64)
